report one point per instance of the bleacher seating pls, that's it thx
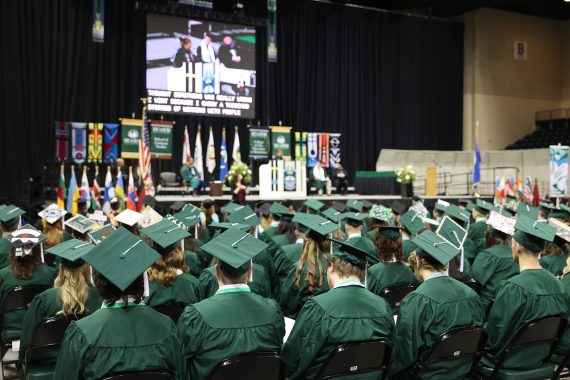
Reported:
(543, 137)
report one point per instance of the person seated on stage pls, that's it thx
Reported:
(124, 335)
(532, 294)
(239, 190)
(206, 52)
(72, 295)
(346, 313)
(391, 270)
(130, 219)
(10, 217)
(554, 256)
(320, 179)
(438, 305)
(477, 229)
(26, 269)
(307, 276)
(184, 53)
(256, 323)
(169, 284)
(340, 178)
(191, 176)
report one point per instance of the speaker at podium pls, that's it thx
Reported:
(281, 179)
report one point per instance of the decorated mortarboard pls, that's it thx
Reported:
(121, 258)
(452, 232)
(511, 204)
(441, 205)
(99, 217)
(71, 252)
(245, 215)
(314, 204)
(129, 217)
(102, 233)
(80, 223)
(457, 214)
(503, 224)
(353, 252)
(533, 233)
(432, 245)
(234, 249)
(338, 206)
(485, 207)
(398, 207)
(52, 213)
(562, 229)
(314, 223)
(354, 219)
(332, 214)
(412, 221)
(390, 232)
(380, 212)
(431, 221)
(10, 213)
(527, 210)
(165, 235)
(24, 239)
(278, 209)
(186, 218)
(231, 208)
(226, 225)
(355, 205)
(150, 217)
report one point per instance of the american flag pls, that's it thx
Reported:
(145, 168)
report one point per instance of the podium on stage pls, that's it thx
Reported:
(281, 179)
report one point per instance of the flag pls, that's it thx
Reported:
(509, 192)
(120, 188)
(536, 193)
(236, 155)
(519, 190)
(142, 197)
(109, 191)
(96, 192)
(84, 189)
(72, 194)
(211, 161)
(476, 164)
(186, 155)
(61, 189)
(223, 157)
(312, 149)
(497, 199)
(198, 155)
(144, 156)
(527, 190)
(132, 196)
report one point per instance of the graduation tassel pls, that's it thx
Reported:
(366, 275)
(251, 271)
(195, 231)
(461, 260)
(255, 232)
(146, 287)
(182, 244)
(42, 252)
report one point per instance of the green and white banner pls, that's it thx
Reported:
(258, 143)
(558, 171)
(281, 140)
(130, 137)
(161, 139)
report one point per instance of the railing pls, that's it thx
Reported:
(552, 115)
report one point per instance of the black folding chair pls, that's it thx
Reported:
(457, 343)
(17, 299)
(396, 293)
(174, 312)
(142, 375)
(473, 284)
(546, 330)
(358, 357)
(46, 338)
(253, 365)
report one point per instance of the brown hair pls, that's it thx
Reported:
(388, 249)
(553, 249)
(163, 270)
(424, 263)
(491, 240)
(311, 254)
(73, 284)
(24, 267)
(54, 233)
(345, 269)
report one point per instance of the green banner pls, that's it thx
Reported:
(281, 140)
(258, 143)
(161, 139)
(130, 137)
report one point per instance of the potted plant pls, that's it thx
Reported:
(239, 168)
(405, 177)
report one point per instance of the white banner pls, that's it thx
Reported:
(558, 171)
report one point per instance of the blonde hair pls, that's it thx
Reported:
(163, 270)
(54, 233)
(311, 254)
(73, 284)
(567, 267)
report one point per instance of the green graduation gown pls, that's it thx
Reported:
(232, 322)
(438, 305)
(408, 247)
(277, 242)
(528, 296)
(343, 314)
(260, 284)
(122, 339)
(266, 235)
(364, 243)
(193, 262)
(183, 292)
(44, 305)
(564, 345)
(5, 248)
(492, 266)
(383, 275)
(43, 275)
(285, 257)
(476, 232)
(554, 264)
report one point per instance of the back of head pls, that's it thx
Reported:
(314, 249)
(164, 270)
(389, 249)
(23, 267)
(111, 293)
(73, 284)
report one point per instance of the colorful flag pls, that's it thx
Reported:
(334, 148)
(78, 142)
(61, 189)
(111, 142)
(301, 146)
(109, 191)
(497, 199)
(476, 164)
(527, 190)
(96, 192)
(145, 168)
(132, 196)
(519, 190)
(509, 192)
(186, 155)
(62, 140)
(312, 149)
(120, 188)
(84, 190)
(324, 149)
(142, 197)
(211, 162)
(223, 157)
(536, 193)
(95, 143)
(72, 193)
(236, 155)
(198, 155)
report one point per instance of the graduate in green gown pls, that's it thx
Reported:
(276, 212)
(533, 294)
(125, 335)
(564, 345)
(188, 218)
(346, 313)
(235, 320)
(412, 224)
(354, 224)
(260, 282)
(72, 295)
(476, 232)
(284, 258)
(52, 225)
(379, 216)
(554, 256)
(169, 282)
(438, 305)
(10, 217)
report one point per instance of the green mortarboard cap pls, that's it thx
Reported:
(355, 205)
(562, 230)
(533, 233)
(314, 204)
(558, 214)
(398, 207)
(278, 209)
(463, 201)
(367, 204)
(165, 235)
(332, 214)
(225, 226)
(264, 209)
(80, 224)
(528, 211)
(457, 214)
(416, 198)
(452, 232)
(129, 217)
(315, 223)
(380, 212)
(52, 213)
(354, 219)
(190, 208)
(435, 246)
(563, 207)
(245, 215)
(469, 206)
(547, 205)
(186, 218)
(441, 205)
(506, 212)
(10, 214)
(390, 232)
(353, 252)
(24, 239)
(102, 233)
(412, 222)
(338, 206)
(121, 258)
(71, 252)
(234, 249)
(485, 207)
(231, 207)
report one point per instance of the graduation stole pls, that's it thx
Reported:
(300, 146)
(78, 142)
(61, 140)
(95, 143)
(324, 149)
(334, 147)
(111, 146)
(312, 149)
